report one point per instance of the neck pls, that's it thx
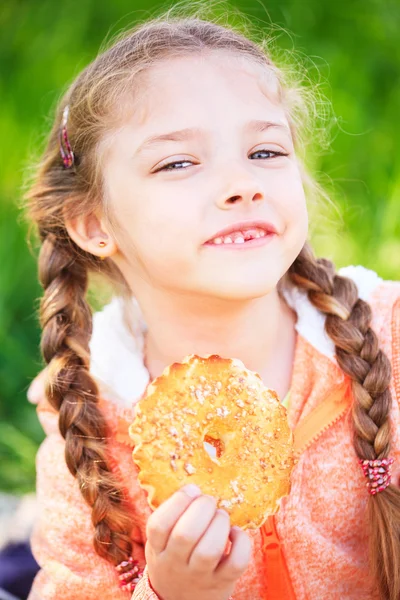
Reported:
(259, 332)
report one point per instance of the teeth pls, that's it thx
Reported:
(240, 237)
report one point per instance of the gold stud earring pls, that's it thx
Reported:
(102, 244)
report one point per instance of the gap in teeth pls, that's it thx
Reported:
(240, 237)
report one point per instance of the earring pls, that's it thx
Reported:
(102, 244)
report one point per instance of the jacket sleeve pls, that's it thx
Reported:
(62, 536)
(143, 590)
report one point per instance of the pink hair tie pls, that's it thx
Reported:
(65, 147)
(129, 574)
(378, 473)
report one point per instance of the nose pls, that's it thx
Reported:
(242, 188)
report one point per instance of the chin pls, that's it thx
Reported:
(241, 275)
(241, 290)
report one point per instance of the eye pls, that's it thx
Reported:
(172, 166)
(272, 152)
(177, 165)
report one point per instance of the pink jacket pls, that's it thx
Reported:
(321, 525)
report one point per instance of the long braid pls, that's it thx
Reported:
(66, 320)
(348, 320)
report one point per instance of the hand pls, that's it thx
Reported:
(185, 552)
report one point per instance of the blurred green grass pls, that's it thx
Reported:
(353, 56)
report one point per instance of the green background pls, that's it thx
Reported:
(351, 52)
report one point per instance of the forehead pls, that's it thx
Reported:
(202, 85)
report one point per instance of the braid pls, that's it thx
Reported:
(66, 320)
(348, 320)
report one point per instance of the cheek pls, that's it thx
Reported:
(159, 227)
(290, 204)
(171, 218)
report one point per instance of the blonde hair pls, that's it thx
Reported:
(58, 194)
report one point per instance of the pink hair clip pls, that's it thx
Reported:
(65, 147)
(378, 473)
(129, 574)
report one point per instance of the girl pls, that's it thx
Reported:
(174, 170)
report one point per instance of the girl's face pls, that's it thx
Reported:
(195, 157)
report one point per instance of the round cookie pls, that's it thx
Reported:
(212, 422)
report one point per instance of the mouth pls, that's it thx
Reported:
(243, 234)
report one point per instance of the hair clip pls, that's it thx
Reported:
(65, 147)
(378, 473)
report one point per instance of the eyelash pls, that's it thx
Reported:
(178, 162)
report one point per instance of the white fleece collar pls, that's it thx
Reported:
(117, 356)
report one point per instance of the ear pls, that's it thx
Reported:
(90, 233)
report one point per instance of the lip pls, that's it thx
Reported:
(267, 227)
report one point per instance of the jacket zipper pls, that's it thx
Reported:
(322, 418)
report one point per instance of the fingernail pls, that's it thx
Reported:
(191, 490)
(236, 528)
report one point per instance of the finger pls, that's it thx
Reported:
(210, 549)
(191, 527)
(36, 390)
(232, 566)
(162, 521)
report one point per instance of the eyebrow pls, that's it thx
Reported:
(181, 135)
